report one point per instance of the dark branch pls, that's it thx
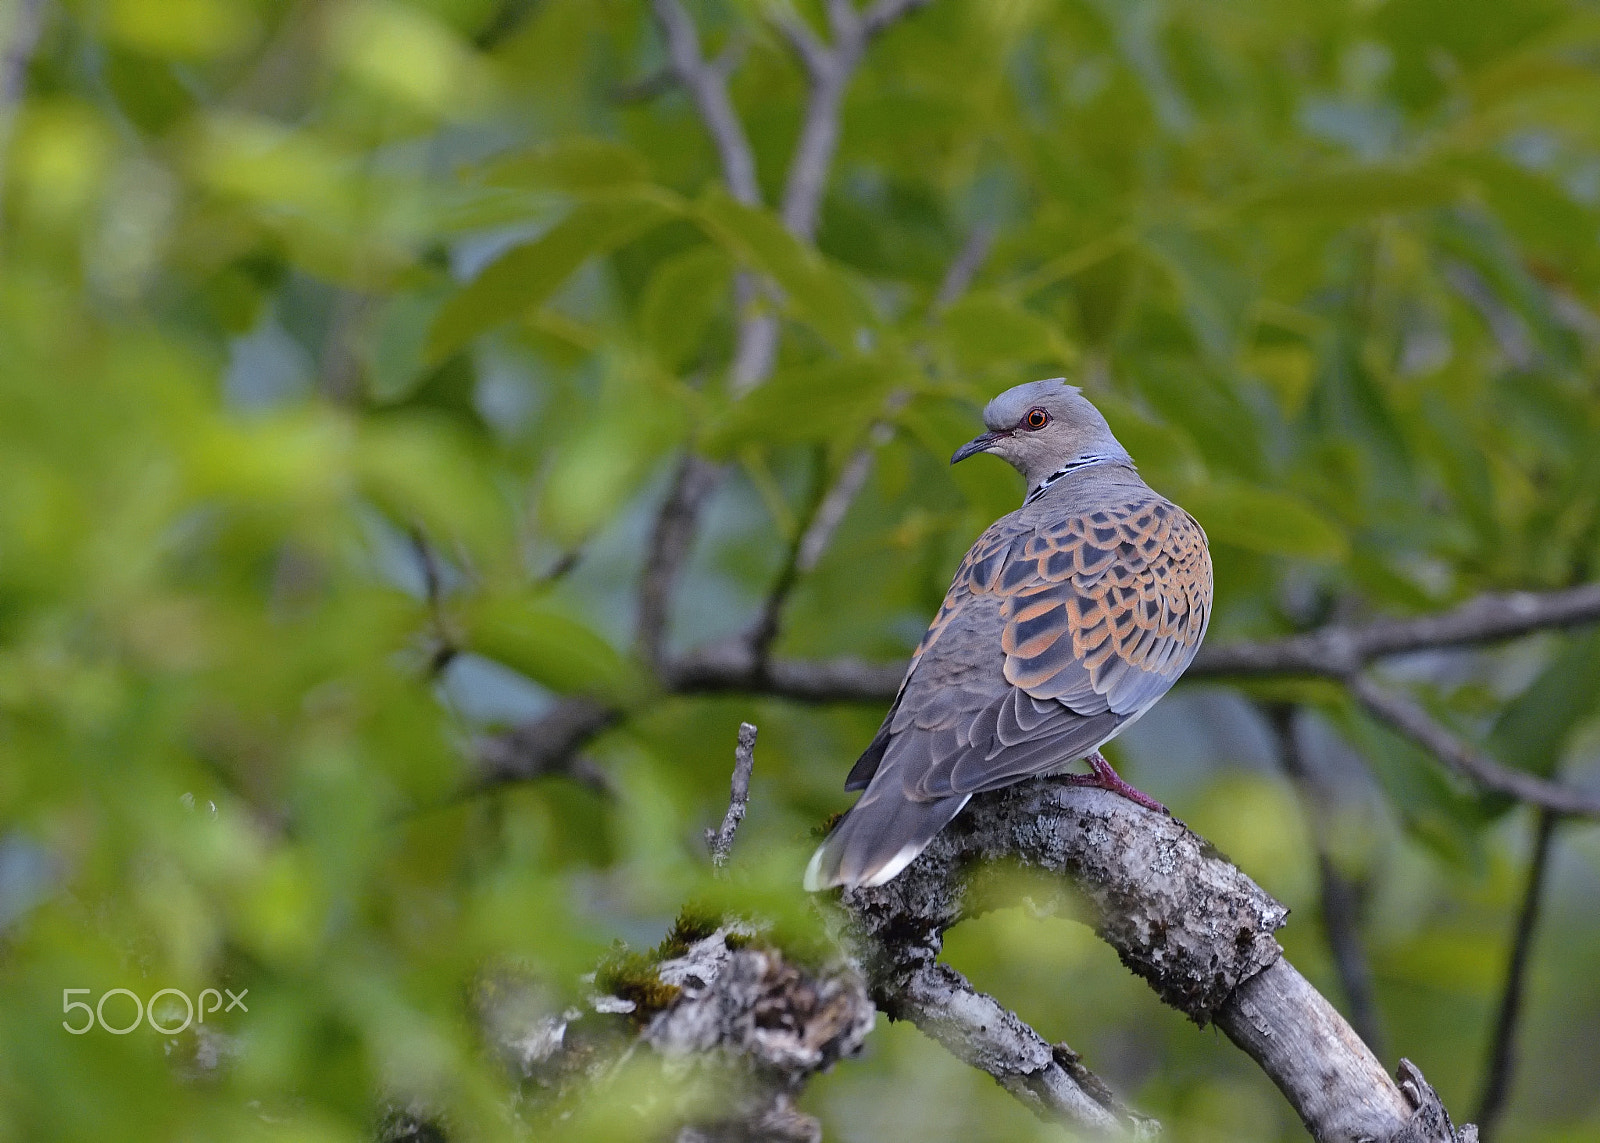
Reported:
(670, 542)
(853, 477)
(720, 840)
(1340, 896)
(1503, 1047)
(765, 629)
(1408, 717)
(547, 745)
(1339, 649)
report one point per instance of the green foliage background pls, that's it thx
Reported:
(285, 282)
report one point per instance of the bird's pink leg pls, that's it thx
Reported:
(1105, 778)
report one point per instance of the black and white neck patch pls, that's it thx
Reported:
(1070, 467)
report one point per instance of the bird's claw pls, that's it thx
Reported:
(1105, 778)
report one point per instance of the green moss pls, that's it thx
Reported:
(630, 975)
(694, 923)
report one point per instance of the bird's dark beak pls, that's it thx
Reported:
(981, 443)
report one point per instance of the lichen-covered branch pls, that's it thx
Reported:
(1179, 915)
(734, 1027)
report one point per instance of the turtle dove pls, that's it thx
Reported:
(1066, 621)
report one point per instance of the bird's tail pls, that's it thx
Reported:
(879, 837)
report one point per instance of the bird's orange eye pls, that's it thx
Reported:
(1036, 419)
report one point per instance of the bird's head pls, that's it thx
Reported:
(1042, 426)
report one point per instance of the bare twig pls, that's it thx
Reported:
(1405, 715)
(732, 667)
(444, 648)
(764, 630)
(720, 840)
(958, 278)
(708, 86)
(836, 503)
(1340, 895)
(1340, 649)
(1501, 1071)
(756, 348)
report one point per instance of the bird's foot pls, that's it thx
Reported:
(1105, 778)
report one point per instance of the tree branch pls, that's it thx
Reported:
(1340, 649)
(1408, 717)
(671, 539)
(1503, 1047)
(885, 12)
(547, 745)
(733, 667)
(1180, 916)
(756, 348)
(734, 1028)
(828, 72)
(974, 1027)
(853, 477)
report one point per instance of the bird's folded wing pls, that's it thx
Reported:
(1096, 616)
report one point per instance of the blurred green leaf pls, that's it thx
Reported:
(1357, 192)
(824, 404)
(422, 470)
(984, 328)
(820, 294)
(1533, 731)
(578, 166)
(525, 276)
(1433, 810)
(1262, 520)
(1217, 296)
(684, 295)
(526, 632)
